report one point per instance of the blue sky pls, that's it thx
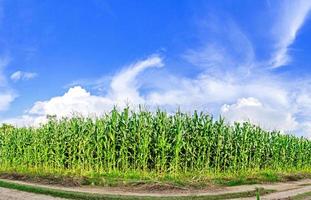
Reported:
(245, 60)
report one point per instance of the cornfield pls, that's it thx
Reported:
(155, 142)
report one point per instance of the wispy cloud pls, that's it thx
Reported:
(123, 90)
(205, 92)
(122, 82)
(6, 98)
(290, 19)
(100, 85)
(231, 82)
(260, 98)
(4, 61)
(21, 75)
(223, 52)
(6, 93)
(125, 85)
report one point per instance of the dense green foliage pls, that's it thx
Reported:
(154, 142)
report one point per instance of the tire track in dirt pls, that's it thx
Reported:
(283, 190)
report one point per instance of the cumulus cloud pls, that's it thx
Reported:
(305, 129)
(76, 99)
(205, 92)
(230, 84)
(123, 91)
(252, 110)
(20, 75)
(262, 99)
(25, 120)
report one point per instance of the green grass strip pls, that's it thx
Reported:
(306, 195)
(87, 196)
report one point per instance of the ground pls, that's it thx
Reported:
(283, 190)
(10, 194)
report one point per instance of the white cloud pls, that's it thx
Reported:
(233, 52)
(76, 99)
(291, 18)
(260, 98)
(123, 91)
(124, 85)
(25, 120)
(252, 110)
(6, 98)
(305, 129)
(20, 75)
(6, 94)
(232, 84)
(206, 92)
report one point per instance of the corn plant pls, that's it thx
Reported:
(143, 141)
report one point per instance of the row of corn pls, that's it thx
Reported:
(152, 142)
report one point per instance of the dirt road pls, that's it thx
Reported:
(282, 191)
(9, 194)
(284, 194)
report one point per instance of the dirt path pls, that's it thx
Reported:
(9, 194)
(290, 193)
(284, 194)
(283, 190)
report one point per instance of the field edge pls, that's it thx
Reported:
(91, 196)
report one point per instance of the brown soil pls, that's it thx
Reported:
(283, 189)
(155, 190)
(46, 180)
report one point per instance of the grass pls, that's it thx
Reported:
(303, 196)
(190, 181)
(87, 196)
